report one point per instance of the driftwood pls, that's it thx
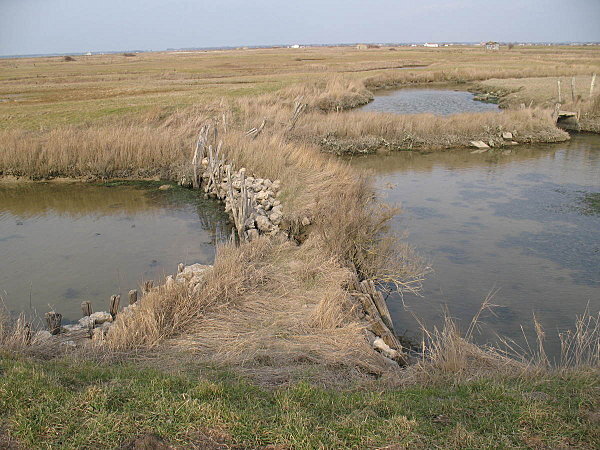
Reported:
(53, 320)
(298, 109)
(368, 287)
(253, 132)
(199, 154)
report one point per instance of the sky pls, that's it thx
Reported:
(63, 26)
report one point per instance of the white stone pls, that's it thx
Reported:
(385, 349)
(507, 135)
(479, 144)
(305, 221)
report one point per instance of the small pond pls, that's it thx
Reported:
(524, 224)
(61, 244)
(433, 101)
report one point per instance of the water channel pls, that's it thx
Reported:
(437, 101)
(61, 244)
(525, 225)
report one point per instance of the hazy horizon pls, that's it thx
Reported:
(79, 26)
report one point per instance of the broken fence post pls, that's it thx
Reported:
(114, 305)
(133, 296)
(86, 308)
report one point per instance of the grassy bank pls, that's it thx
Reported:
(57, 403)
(543, 92)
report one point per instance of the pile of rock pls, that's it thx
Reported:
(258, 198)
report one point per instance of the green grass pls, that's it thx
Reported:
(73, 405)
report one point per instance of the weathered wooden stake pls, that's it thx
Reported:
(53, 320)
(573, 89)
(180, 267)
(86, 308)
(559, 96)
(592, 85)
(133, 296)
(114, 305)
(28, 333)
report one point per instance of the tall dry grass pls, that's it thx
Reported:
(362, 132)
(264, 304)
(451, 354)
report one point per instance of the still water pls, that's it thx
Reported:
(520, 224)
(61, 244)
(434, 101)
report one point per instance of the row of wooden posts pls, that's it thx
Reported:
(54, 319)
(573, 98)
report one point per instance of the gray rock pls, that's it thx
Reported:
(305, 221)
(252, 234)
(99, 317)
(263, 224)
(507, 135)
(275, 217)
(42, 335)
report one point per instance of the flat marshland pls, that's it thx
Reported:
(270, 350)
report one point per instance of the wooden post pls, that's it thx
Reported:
(28, 334)
(592, 85)
(53, 320)
(114, 305)
(148, 286)
(133, 296)
(86, 308)
(559, 96)
(573, 89)
(180, 267)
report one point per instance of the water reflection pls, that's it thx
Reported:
(62, 244)
(492, 221)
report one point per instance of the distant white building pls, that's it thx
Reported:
(427, 44)
(88, 54)
(295, 46)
